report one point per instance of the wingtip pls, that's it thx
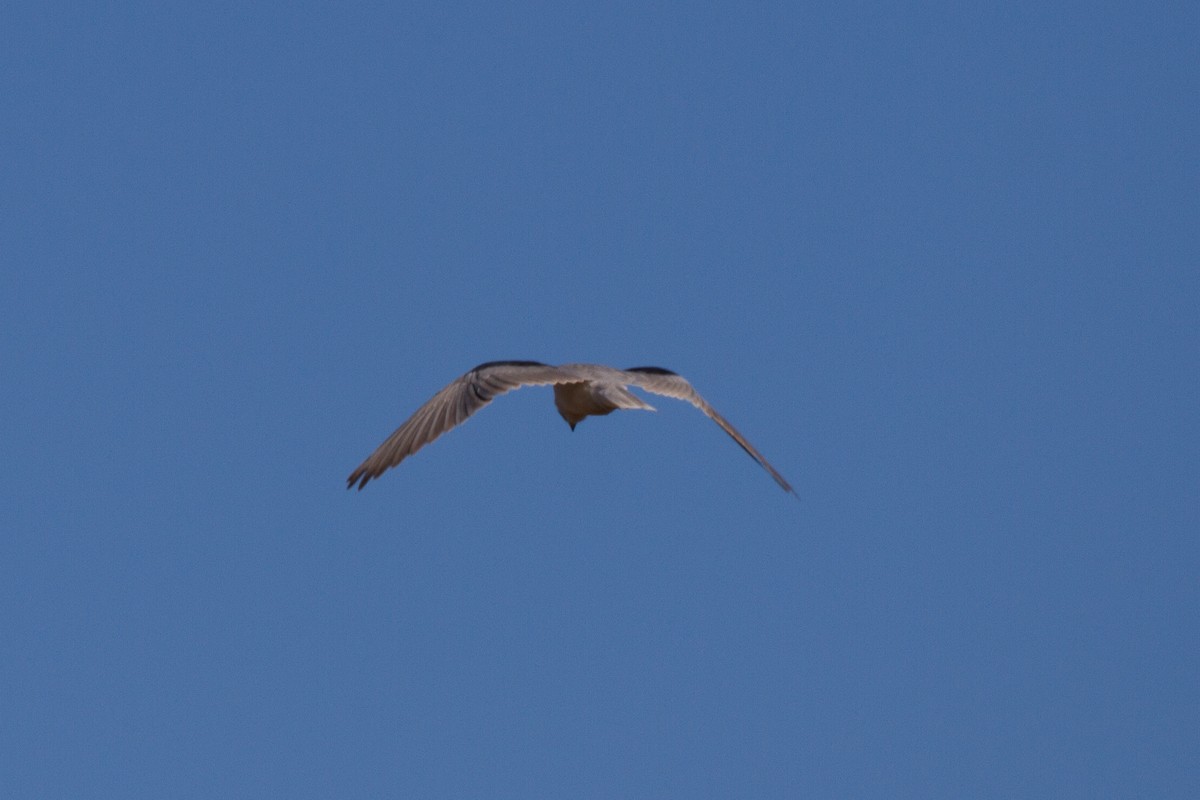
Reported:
(783, 484)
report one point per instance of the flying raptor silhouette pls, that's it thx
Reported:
(580, 390)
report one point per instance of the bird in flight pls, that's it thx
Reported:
(580, 390)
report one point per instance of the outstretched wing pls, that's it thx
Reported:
(670, 384)
(450, 407)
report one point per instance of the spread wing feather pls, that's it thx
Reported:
(669, 384)
(451, 407)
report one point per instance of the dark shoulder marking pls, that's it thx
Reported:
(487, 364)
(652, 370)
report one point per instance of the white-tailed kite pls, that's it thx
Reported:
(580, 390)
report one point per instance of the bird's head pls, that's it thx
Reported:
(572, 419)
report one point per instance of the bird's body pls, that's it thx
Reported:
(580, 391)
(593, 398)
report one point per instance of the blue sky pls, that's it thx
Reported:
(937, 261)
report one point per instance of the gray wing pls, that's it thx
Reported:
(669, 384)
(451, 407)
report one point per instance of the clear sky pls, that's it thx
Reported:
(938, 261)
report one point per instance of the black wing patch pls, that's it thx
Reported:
(652, 370)
(487, 364)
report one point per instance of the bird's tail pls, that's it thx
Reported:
(620, 397)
